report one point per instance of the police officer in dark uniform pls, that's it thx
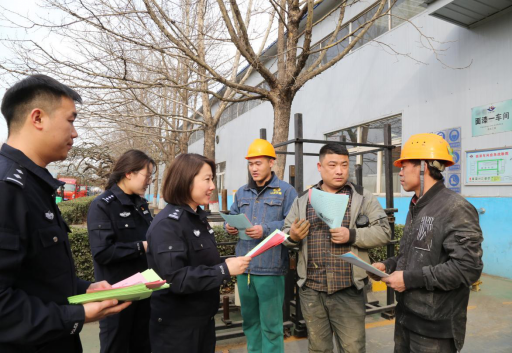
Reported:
(117, 223)
(183, 251)
(37, 272)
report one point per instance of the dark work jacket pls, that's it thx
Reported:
(37, 273)
(117, 227)
(441, 256)
(183, 251)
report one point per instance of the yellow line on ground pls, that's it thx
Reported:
(379, 323)
(507, 303)
(471, 307)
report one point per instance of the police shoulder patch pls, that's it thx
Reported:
(175, 214)
(108, 197)
(17, 175)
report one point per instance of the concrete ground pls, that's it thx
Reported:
(489, 327)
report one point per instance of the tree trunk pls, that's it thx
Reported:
(209, 152)
(155, 189)
(282, 111)
(161, 203)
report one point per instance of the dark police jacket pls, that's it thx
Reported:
(183, 251)
(37, 272)
(117, 227)
(441, 256)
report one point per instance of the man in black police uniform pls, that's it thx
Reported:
(37, 272)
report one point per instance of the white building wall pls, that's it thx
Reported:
(372, 83)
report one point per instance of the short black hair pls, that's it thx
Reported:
(20, 99)
(434, 172)
(333, 148)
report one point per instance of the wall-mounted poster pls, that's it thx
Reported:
(489, 167)
(492, 118)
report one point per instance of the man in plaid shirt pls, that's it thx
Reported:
(331, 294)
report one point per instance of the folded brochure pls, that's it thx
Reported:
(137, 287)
(240, 222)
(329, 207)
(356, 261)
(274, 239)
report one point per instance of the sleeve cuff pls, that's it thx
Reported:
(74, 316)
(352, 237)
(82, 286)
(140, 248)
(224, 274)
(413, 279)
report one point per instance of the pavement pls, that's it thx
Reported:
(489, 327)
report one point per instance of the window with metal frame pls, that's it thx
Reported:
(372, 162)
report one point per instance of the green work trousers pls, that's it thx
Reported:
(262, 312)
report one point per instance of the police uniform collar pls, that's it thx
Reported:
(200, 212)
(274, 182)
(121, 196)
(20, 158)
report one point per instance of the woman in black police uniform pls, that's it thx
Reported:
(117, 223)
(183, 251)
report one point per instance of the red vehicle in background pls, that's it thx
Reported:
(72, 190)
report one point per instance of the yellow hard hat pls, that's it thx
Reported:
(426, 147)
(260, 148)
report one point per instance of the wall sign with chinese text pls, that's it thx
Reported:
(492, 118)
(489, 167)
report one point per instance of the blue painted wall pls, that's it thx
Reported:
(496, 224)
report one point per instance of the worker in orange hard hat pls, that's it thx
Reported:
(265, 201)
(440, 253)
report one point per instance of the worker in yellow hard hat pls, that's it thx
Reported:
(440, 253)
(265, 201)
(436, 154)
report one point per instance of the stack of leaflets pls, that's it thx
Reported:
(137, 287)
(274, 239)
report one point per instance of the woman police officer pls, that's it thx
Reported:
(117, 224)
(183, 251)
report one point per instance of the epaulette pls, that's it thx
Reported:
(175, 214)
(108, 197)
(17, 175)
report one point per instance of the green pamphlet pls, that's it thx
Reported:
(240, 222)
(137, 287)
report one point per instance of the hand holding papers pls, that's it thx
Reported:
(356, 261)
(240, 222)
(329, 207)
(274, 239)
(137, 287)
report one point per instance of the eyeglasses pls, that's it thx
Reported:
(148, 177)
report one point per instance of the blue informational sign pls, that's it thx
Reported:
(453, 181)
(452, 174)
(454, 137)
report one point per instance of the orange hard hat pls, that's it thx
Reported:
(426, 147)
(260, 147)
